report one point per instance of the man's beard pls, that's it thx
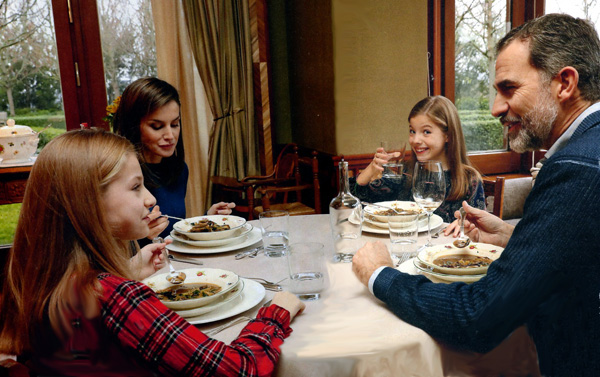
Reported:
(535, 126)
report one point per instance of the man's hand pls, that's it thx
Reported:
(369, 258)
(482, 226)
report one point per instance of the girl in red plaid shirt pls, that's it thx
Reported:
(69, 301)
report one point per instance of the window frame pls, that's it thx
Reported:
(441, 48)
(80, 62)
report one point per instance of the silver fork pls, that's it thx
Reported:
(227, 325)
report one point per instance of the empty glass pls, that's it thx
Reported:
(429, 189)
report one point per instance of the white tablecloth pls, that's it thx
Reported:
(348, 332)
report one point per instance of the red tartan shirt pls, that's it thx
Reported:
(136, 335)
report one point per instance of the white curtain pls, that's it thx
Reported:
(175, 65)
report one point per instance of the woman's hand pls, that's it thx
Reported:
(220, 208)
(289, 302)
(376, 166)
(157, 223)
(150, 259)
(482, 226)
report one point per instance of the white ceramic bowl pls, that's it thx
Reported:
(430, 254)
(375, 213)
(234, 222)
(227, 280)
(17, 143)
(237, 236)
(221, 301)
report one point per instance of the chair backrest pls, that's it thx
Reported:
(494, 189)
(287, 163)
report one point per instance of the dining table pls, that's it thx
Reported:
(348, 331)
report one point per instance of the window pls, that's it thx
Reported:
(441, 45)
(588, 9)
(478, 26)
(128, 44)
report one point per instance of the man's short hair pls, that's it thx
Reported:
(557, 41)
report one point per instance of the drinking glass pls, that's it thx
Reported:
(308, 272)
(404, 231)
(394, 168)
(274, 226)
(429, 189)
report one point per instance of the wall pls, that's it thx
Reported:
(354, 70)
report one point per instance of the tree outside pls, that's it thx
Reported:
(128, 43)
(479, 25)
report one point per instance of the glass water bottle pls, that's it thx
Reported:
(346, 216)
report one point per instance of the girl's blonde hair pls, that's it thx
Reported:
(443, 114)
(63, 239)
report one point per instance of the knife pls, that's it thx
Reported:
(185, 260)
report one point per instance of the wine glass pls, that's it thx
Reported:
(429, 189)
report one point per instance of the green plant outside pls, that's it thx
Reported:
(482, 131)
(9, 216)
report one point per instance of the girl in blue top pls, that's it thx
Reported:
(435, 134)
(148, 115)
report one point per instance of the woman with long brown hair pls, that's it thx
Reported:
(69, 300)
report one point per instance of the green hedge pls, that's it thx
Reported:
(482, 131)
(41, 120)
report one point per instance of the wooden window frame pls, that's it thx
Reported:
(441, 44)
(80, 62)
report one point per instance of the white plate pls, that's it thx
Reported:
(396, 204)
(234, 222)
(236, 237)
(436, 221)
(438, 277)
(227, 280)
(226, 298)
(412, 267)
(428, 255)
(249, 239)
(252, 294)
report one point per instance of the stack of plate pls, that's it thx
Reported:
(375, 218)
(235, 294)
(240, 234)
(447, 263)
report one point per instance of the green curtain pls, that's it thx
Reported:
(219, 33)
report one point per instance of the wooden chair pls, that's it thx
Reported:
(282, 194)
(244, 189)
(494, 190)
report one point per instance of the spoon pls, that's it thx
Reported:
(43, 129)
(174, 277)
(462, 240)
(379, 205)
(176, 218)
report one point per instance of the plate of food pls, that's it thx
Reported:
(206, 228)
(201, 287)
(379, 214)
(438, 277)
(368, 226)
(237, 235)
(223, 300)
(251, 295)
(248, 239)
(448, 259)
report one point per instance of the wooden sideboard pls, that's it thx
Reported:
(13, 179)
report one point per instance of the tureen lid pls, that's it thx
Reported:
(14, 130)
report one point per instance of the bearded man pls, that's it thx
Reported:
(547, 278)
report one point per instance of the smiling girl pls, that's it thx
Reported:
(148, 115)
(435, 133)
(69, 302)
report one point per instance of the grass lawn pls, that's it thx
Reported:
(9, 215)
